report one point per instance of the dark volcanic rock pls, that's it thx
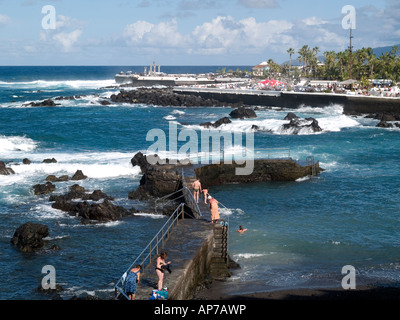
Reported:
(291, 116)
(102, 212)
(49, 160)
(46, 188)
(384, 124)
(216, 124)
(45, 103)
(78, 175)
(165, 97)
(243, 113)
(77, 192)
(4, 170)
(140, 160)
(264, 170)
(296, 125)
(26, 161)
(157, 181)
(29, 236)
(53, 178)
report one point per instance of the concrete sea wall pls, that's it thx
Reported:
(351, 104)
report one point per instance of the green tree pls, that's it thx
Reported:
(291, 52)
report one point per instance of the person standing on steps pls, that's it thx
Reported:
(131, 281)
(159, 268)
(205, 193)
(196, 189)
(214, 209)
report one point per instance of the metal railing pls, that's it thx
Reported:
(153, 248)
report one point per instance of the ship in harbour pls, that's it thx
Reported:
(153, 77)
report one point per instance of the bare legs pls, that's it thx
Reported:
(160, 279)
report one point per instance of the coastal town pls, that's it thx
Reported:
(362, 72)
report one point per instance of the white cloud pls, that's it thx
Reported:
(221, 35)
(67, 40)
(66, 34)
(314, 21)
(163, 34)
(4, 19)
(225, 34)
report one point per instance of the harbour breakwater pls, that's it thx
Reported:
(352, 104)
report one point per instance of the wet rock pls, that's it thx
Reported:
(157, 181)
(165, 97)
(384, 124)
(105, 103)
(140, 160)
(53, 178)
(29, 236)
(296, 125)
(78, 192)
(26, 161)
(291, 116)
(78, 175)
(5, 171)
(102, 212)
(49, 160)
(243, 113)
(216, 124)
(45, 103)
(46, 188)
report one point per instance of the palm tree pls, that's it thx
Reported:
(290, 52)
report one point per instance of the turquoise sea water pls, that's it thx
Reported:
(300, 234)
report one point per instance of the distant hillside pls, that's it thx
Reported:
(381, 50)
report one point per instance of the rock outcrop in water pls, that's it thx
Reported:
(4, 170)
(264, 170)
(296, 124)
(243, 113)
(101, 212)
(29, 236)
(157, 181)
(165, 97)
(40, 189)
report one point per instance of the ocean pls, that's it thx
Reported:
(300, 234)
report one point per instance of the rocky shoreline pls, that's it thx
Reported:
(388, 117)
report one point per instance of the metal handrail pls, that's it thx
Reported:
(145, 257)
(167, 196)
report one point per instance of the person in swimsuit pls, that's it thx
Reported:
(131, 281)
(213, 203)
(241, 230)
(159, 268)
(205, 193)
(196, 190)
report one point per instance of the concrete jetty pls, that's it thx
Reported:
(198, 249)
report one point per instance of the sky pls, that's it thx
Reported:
(186, 32)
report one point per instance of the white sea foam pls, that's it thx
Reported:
(150, 215)
(16, 143)
(170, 117)
(75, 84)
(303, 179)
(178, 112)
(331, 109)
(93, 165)
(248, 255)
